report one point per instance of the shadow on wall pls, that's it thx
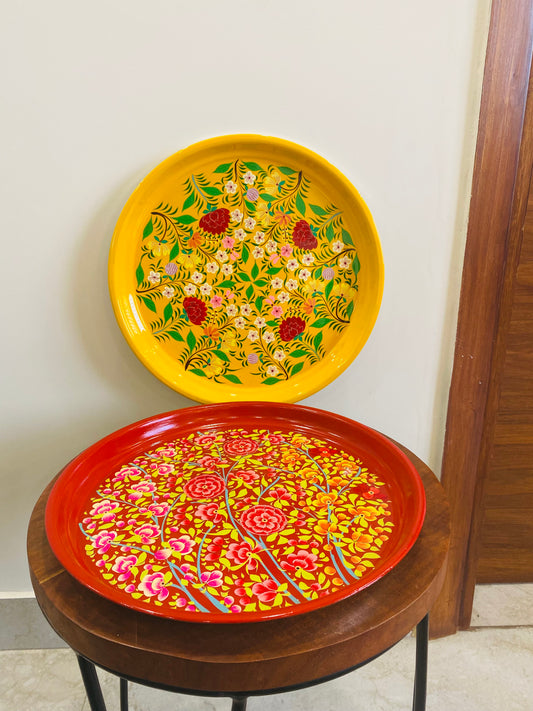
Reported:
(131, 384)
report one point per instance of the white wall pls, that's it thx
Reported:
(96, 94)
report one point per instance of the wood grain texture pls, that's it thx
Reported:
(495, 167)
(245, 657)
(505, 549)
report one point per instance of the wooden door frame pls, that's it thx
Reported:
(492, 247)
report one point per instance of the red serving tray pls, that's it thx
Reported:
(235, 512)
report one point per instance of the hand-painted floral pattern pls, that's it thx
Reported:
(279, 519)
(248, 275)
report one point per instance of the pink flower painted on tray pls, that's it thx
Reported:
(146, 487)
(102, 541)
(105, 509)
(301, 559)
(148, 532)
(154, 584)
(158, 509)
(266, 591)
(262, 520)
(213, 579)
(123, 565)
(183, 544)
(208, 512)
(240, 446)
(206, 486)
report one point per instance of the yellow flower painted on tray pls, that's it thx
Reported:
(189, 261)
(262, 214)
(157, 248)
(271, 182)
(215, 367)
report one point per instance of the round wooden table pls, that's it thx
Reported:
(244, 659)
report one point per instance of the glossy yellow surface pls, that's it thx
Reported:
(246, 268)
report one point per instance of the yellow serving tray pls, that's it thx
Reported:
(246, 268)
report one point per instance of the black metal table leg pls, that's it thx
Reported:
(239, 703)
(92, 685)
(123, 694)
(421, 667)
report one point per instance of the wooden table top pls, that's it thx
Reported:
(245, 657)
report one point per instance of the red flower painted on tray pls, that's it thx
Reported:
(196, 309)
(206, 486)
(215, 548)
(262, 520)
(301, 559)
(247, 476)
(291, 327)
(266, 592)
(208, 512)
(215, 222)
(302, 235)
(242, 553)
(240, 446)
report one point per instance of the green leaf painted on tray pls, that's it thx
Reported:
(259, 303)
(298, 353)
(330, 232)
(212, 192)
(191, 340)
(220, 354)
(167, 313)
(243, 276)
(174, 252)
(286, 171)
(175, 335)
(253, 166)
(198, 372)
(320, 323)
(260, 282)
(347, 237)
(149, 228)
(188, 202)
(271, 381)
(297, 367)
(222, 168)
(139, 274)
(274, 270)
(249, 292)
(255, 271)
(245, 253)
(350, 308)
(272, 323)
(250, 206)
(356, 266)
(226, 284)
(267, 197)
(232, 378)
(149, 303)
(300, 205)
(185, 219)
(317, 340)
(318, 210)
(329, 287)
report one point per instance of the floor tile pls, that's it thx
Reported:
(486, 669)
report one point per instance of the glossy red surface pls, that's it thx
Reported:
(235, 512)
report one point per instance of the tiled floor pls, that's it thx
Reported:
(479, 670)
